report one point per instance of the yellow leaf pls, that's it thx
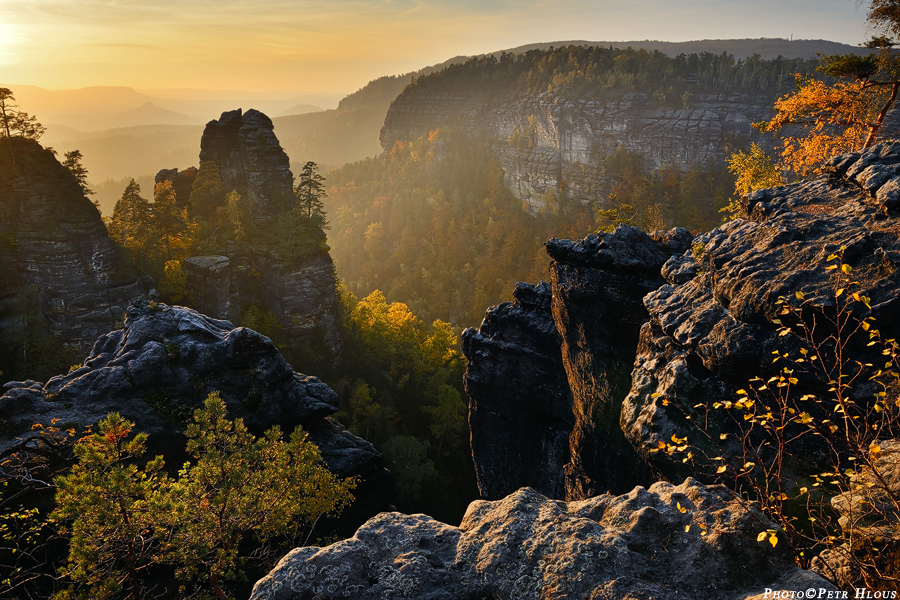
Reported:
(681, 509)
(839, 292)
(773, 539)
(762, 535)
(846, 268)
(687, 528)
(722, 469)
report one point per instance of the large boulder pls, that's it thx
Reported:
(717, 321)
(159, 368)
(667, 542)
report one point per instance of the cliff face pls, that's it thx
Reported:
(561, 137)
(301, 291)
(655, 331)
(53, 239)
(248, 156)
(520, 414)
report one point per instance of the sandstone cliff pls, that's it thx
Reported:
(563, 135)
(654, 331)
(300, 290)
(54, 241)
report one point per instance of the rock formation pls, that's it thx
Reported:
(598, 284)
(566, 133)
(54, 241)
(182, 182)
(666, 542)
(520, 414)
(654, 331)
(300, 290)
(248, 156)
(161, 366)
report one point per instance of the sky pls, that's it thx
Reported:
(340, 45)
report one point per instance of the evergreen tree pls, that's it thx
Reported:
(73, 163)
(208, 191)
(15, 122)
(309, 192)
(104, 504)
(167, 217)
(131, 218)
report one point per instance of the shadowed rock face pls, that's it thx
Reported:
(520, 413)
(248, 156)
(598, 284)
(526, 546)
(161, 366)
(53, 239)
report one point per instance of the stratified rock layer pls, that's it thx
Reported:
(520, 413)
(53, 239)
(564, 133)
(665, 543)
(161, 366)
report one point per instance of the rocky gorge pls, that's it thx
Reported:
(634, 335)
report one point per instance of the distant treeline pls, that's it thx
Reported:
(598, 71)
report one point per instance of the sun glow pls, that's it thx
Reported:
(9, 37)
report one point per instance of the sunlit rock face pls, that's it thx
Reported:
(666, 542)
(53, 241)
(565, 136)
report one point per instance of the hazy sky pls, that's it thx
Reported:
(339, 45)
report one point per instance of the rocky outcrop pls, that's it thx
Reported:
(656, 331)
(161, 366)
(666, 542)
(249, 157)
(182, 182)
(300, 290)
(598, 284)
(52, 239)
(716, 323)
(551, 142)
(520, 412)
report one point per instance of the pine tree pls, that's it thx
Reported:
(167, 217)
(104, 504)
(131, 218)
(310, 192)
(208, 191)
(73, 163)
